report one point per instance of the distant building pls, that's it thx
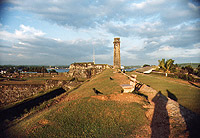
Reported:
(146, 70)
(3, 72)
(86, 69)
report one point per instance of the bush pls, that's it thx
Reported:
(146, 65)
(189, 69)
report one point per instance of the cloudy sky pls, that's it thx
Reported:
(60, 32)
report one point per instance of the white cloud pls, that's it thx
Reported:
(153, 43)
(197, 45)
(87, 14)
(149, 26)
(191, 5)
(24, 32)
(20, 55)
(27, 31)
(17, 47)
(165, 48)
(30, 48)
(147, 3)
(172, 52)
(131, 44)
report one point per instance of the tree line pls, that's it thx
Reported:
(187, 72)
(12, 69)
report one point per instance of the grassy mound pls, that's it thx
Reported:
(101, 82)
(84, 116)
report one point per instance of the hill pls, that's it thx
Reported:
(143, 113)
(84, 114)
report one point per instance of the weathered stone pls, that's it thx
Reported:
(10, 93)
(116, 57)
(86, 70)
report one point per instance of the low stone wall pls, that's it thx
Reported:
(10, 93)
(15, 92)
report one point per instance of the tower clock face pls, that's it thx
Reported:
(116, 45)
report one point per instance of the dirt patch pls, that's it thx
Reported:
(121, 97)
(43, 122)
(143, 132)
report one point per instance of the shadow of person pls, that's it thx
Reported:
(171, 96)
(160, 126)
(192, 121)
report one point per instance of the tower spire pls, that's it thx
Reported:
(93, 54)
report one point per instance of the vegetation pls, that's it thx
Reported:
(166, 66)
(12, 69)
(185, 72)
(146, 65)
(188, 69)
(101, 82)
(28, 68)
(85, 118)
(80, 114)
(193, 65)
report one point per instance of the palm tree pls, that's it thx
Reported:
(166, 66)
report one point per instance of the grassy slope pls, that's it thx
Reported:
(86, 116)
(101, 82)
(187, 95)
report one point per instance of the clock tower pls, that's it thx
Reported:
(116, 58)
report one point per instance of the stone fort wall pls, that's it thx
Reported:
(86, 69)
(10, 93)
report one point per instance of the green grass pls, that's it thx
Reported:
(186, 94)
(36, 79)
(86, 116)
(101, 82)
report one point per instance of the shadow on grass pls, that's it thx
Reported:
(171, 96)
(194, 84)
(19, 109)
(160, 121)
(192, 121)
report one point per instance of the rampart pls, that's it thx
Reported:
(10, 93)
(86, 70)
